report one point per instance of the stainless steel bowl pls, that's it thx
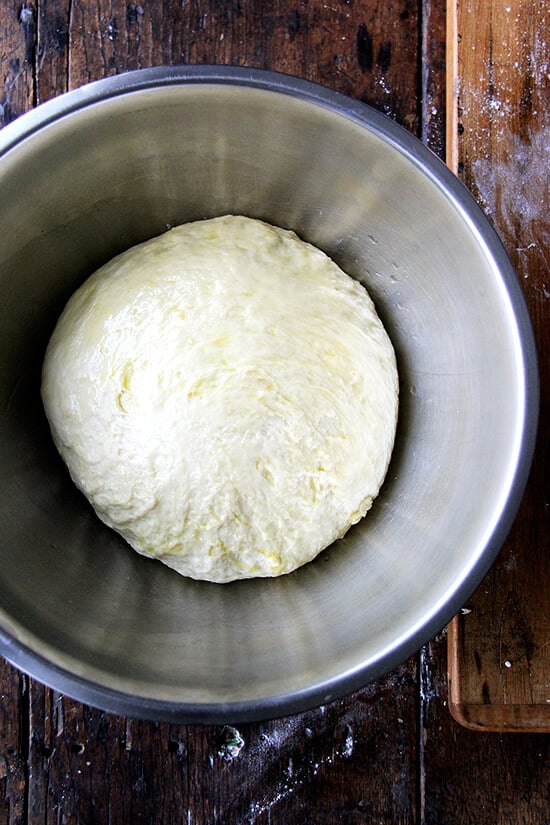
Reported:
(103, 167)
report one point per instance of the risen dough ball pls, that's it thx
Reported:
(225, 396)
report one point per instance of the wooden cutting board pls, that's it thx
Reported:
(498, 141)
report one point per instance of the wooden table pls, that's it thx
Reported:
(392, 752)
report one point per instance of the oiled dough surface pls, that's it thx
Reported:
(225, 396)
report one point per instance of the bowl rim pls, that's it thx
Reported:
(366, 116)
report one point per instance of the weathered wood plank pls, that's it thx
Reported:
(13, 745)
(432, 74)
(17, 59)
(500, 651)
(53, 23)
(365, 49)
(318, 767)
(475, 777)
(17, 95)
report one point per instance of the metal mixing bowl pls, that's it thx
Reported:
(101, 168)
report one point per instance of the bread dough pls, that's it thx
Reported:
(225, 397)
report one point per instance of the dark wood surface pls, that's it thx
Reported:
(390, 753)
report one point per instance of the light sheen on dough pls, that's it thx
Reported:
(225, 396)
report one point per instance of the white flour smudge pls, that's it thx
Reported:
(347, 750)
(513, 191)
(510, 147)
(335, 748)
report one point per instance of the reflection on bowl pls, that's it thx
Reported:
(102, 168)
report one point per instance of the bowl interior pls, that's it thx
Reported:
(90, 184)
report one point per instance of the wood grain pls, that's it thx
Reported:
(14, 688)
(432, 93)
(499, 651)
(317, 767)
(390, 753)
(364, 49)
(476, 776)
(17, 57)
(52, 49)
